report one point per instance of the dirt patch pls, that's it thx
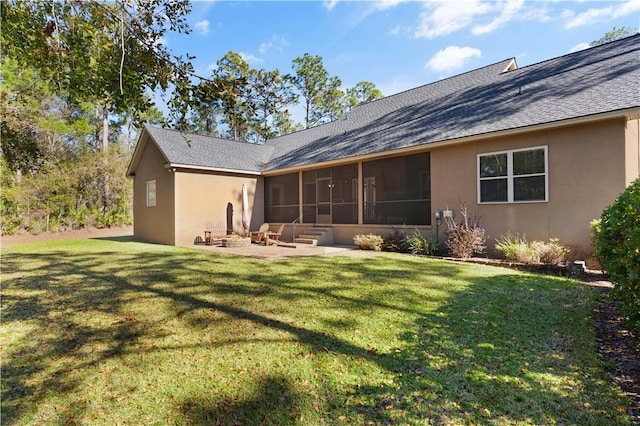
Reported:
(619, 345)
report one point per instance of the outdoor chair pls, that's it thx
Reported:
(259, 236)
(214, 233)
(274, 237)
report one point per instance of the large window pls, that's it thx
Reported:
(281, 198)
(397, 190)
(513, 176)
(151, 193)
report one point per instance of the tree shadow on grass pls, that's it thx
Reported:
(504, 350)
(274, 402)
(454, 363)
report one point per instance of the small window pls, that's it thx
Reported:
(151, 193)
(513, 176)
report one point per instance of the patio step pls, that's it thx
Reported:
(309, 241)
(319, 236)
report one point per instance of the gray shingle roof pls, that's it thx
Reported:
(590, 82)
(206, 151)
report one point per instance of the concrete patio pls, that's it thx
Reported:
(273, 252)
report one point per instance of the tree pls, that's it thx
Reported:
(613, 35)
(319, 92)
(74, 45)
(617, 245)
(271, 95)
(362, 93)
(232, 85)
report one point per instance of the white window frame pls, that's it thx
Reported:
(510, 176)
(151, 189)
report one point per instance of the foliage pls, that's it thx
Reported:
(466, 237)
(271, 95)
(321, 94)
(362, 93)
(107, 53)
(117, 332)
(518, 249)
(613, 35)
(551, 252)
(369, 242)
(617, 245)
(242, 103)
(396, 241)
(418, 244)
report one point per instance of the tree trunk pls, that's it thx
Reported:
(105, 159)
(105, 129)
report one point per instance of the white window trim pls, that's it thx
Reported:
(510, 176)
(155, 193)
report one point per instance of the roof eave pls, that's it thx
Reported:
(211, 169)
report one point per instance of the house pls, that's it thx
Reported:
(539, 150)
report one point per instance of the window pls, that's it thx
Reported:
(513, 176)
(151, 193)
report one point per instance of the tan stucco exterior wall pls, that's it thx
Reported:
(587, 170)
(589, 165)
(153, 224)
(208, 198)
(632, 166)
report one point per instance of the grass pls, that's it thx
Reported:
(117, 332)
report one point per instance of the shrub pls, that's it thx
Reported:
(418, 244)
(551, 252)
(465, 238)
(37, 226)
(617, 245)
(515, 248)
(395, 241)
(369, 242)
(518, 249)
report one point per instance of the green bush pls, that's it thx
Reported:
(369, 241)
(518, 249)
(617, 245)
(112, 219)
(418, 244)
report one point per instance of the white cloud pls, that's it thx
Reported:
(330, 4)
(202, 26)
(452, 58)
(162, 41)
(251, 59)
(444, 17)
(509, 10)
(579, 46)
(603, 14)
(278, 43)
(386, 4)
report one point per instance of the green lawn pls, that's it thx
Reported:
(117, 332)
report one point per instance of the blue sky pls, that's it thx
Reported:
(393, 43)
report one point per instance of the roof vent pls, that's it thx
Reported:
(512, 66)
